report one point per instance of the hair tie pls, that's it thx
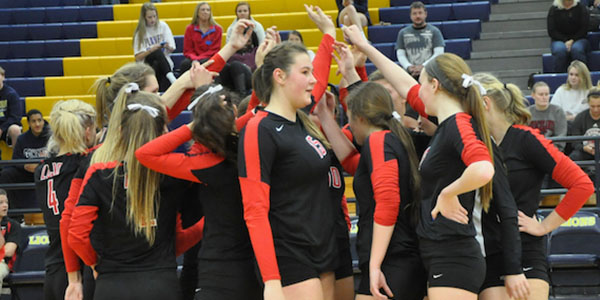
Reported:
(132, 87)
(468, 81)
(397, 116)
(108, 79)
(152, 111)
(209, 91)
(505, 87)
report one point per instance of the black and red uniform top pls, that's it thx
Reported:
(225, 234)
(116, 247)
(529, 156)
(337, 188)
(455, 145)
(52, 182)
(384, 194)
(283, 175)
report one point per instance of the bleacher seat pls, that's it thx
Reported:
(31, 86)
(556, 80)
(427, 2)
(574, 255)
(460, 47)
(450, 30)
(27, 280)
(439, 12)
(29, 15)
(471, 10)
(48, 31)
(593, 62)
(594, 38)
(39, 3)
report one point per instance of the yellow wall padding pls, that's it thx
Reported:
(106, 46)
(94, 65)
(69, 85)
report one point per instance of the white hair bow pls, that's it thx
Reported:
(469, 81)
(132, 87)
(210, 90)
(397, 116)
(152, 111)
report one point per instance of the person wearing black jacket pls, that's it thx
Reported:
(567, 27)
(10, 112)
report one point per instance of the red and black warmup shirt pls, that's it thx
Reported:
(52, 182)
(283, 175)
(384, 193)
(115, 247)
(499, 224)
(225, 234)
(337, 188)
(529, 156)
(454, 146)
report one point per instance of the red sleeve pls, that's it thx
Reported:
(415, 102)
(346, 214)
(255, 196)
(254, 101)
(321, 67)
(473, 149)
(180, 105)
(189, 50)
(71, 259)
(567, 174)
(241, 122)
(218, 63)
(362, 73)
(384, 179)
(156, 155)
(187, 238)
(350, 162)
(343, 95)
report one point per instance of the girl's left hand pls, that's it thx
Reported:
(530, 225)
(450, 208)
(378, 282)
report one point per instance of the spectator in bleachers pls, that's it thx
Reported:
(587, 123)
(10, 112)
(9, 239)
(153, 43)
(237, 75)
(242, 11)
(202, 37)
(567, 27)
(29, 145)
(296, 37)
(572, 95)
(419, 43)
(353, 12)
(548, 118)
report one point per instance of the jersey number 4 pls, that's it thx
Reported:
(52, 199)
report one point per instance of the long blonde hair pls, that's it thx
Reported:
(140, 30)
(507, 97)
(448, 69)
(107, 88)
(211, 20)
(69, 119)
(137, 127)
(585, 80)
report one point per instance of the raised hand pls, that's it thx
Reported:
(262, 51)
(242, 32)
(354, 35)
(323, 21)
(200, 76)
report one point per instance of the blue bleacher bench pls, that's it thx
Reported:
(450, 30)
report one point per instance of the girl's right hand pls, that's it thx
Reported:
(353, 35)
(378, 281)
(273, 290)
(450, 208)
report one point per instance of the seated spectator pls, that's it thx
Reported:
(30, 145)
(587, 123)
(237, 75)
(572, 95)
(153, 44)
(202, 38)
(10, 112)
(242, 11)
(548, 118)
(419, 43)
(296, 37)
(9, 239)
(567, 27)
(353, 12)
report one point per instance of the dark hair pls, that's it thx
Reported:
(32, 112)
(3, 192)
(296, 33)
(417, 4)
(593, 93)
(214, 121)
(372, 102)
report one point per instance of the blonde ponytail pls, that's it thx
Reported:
(69, 120)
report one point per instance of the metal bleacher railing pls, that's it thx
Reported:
(19, 186)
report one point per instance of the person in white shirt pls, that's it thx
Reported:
(572, 96)
(242, 11)
(153, 44)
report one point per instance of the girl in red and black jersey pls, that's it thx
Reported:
(387, 187)
(529, 157)
(226, 260)
(132, 211)
(73, 132)
(458, 162)
(283, 164)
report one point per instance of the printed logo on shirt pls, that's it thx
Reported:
(49, 173)
(316, 144)
(335, 179)
(35, 152)
(279, 128)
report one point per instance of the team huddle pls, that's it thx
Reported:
(257, 201)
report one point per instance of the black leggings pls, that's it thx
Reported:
(160, 64)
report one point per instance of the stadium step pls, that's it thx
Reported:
(508, 7)
(515, 22)
(511, 42)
